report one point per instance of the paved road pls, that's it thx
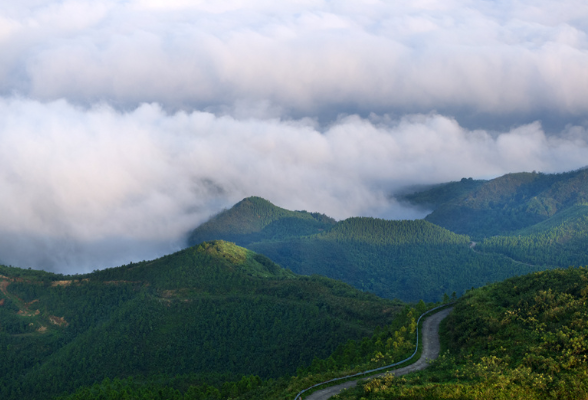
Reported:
(431, 347)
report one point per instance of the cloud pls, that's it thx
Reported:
(86, 188)
(478, 61)
(124, 124)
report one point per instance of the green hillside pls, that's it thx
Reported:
(561, 240)
(254, 219)
(504, 205)
(434, 196)
(533, 218)
(408, 260)
(524, 338)
(388, 344)
(210, 313)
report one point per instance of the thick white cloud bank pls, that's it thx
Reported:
(125, 123)
(98, 187)
(521, 60)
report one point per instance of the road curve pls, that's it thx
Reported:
(431, 347)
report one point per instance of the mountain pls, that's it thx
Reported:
(430, 197)
(523, 339)
(408, 260)
(211, 312)
(504, 205)
(533, 218)
(254, 219)
(561, 240)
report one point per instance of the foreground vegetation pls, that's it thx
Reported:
(525, 338)
(387, 345)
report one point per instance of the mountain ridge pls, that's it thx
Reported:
(506, 204)
(409, 260)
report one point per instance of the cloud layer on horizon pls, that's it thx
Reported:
(87, 188)
(475, 60)
(125, 123)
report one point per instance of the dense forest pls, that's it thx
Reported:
(212, 313)
(386, 345)
(504, 205)
(408, 260)
(561, 240)
(524, 338)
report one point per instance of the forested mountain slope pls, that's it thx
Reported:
(433, 196)
(534, 218)
(562, 240)
(524, 338)
(210, 312)
(386, 345)
(408, 260)
(504, 205)
(254, 219)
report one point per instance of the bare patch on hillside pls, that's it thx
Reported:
(28, 313)
(69, 282)
(4, 285)
(61, 283)
(58, 321)
(166, 294)
(119, 282)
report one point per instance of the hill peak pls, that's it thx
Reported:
(254, 200)
(255, 218)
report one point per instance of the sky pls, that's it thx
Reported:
(125, 124)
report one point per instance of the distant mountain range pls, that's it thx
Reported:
(535, 218)
(520, 223)
(505, 205)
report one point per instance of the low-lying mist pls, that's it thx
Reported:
(88, 188)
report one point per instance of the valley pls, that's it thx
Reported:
(265, 302)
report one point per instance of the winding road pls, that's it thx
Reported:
(431, 348)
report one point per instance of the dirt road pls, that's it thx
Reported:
(431, 347)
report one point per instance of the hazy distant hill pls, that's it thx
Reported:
(213, 310)
(534, 218)
(431, 197)
(561, 240)
(504, 205)
(409, 260)
(254, 219)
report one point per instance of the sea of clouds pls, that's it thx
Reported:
(124, 124)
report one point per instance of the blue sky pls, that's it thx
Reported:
(123, 124)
